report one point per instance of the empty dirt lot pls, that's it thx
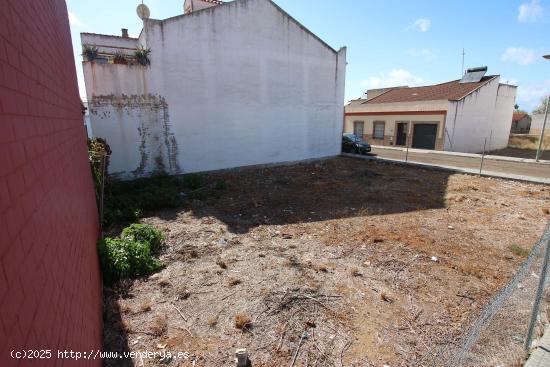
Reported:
(341, 262)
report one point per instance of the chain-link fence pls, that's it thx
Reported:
(499, 335)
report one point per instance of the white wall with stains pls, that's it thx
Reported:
(239, 84)
(484, 114)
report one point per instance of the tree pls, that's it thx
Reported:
(516, 107)
(542, 107)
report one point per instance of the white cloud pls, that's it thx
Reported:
(74, 20)
(395, 78)
(424, 53)
(421, 24)
(521, 56)
(530, 95)
(530, 12)
(511, 81)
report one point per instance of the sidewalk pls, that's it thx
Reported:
(458, 154)
(541, 355)
(508, 168)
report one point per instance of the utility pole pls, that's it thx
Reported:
(541, 139)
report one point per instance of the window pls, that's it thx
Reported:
(378, 129)
(358, 128)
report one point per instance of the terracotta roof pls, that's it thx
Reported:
(518, 116)
(452, 91)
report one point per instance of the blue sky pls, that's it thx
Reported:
(389, 42)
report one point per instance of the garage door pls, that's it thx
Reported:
(424, 136)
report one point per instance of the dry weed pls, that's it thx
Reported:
(242, 321)
(159, 325)
(221, 263)
(233, 282)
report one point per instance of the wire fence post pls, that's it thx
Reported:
(538, 297)
(541, 139)
(482, 156)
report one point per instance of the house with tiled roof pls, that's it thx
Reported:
(521, 123)
(460, 115)
(223, 85)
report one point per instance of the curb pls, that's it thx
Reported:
(541, 355)
(468, 155)
(454, 169)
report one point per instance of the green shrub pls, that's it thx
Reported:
(220, 185)
(127, 200)
(143, 233)
(193, 182)
(125, 258)
(198, 195)
(142, 55)
(519, 251)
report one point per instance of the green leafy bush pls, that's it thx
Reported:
(193, 182)
(122, 258)
(127, 200)
(142, 55)
(220, 185)
(143, 233)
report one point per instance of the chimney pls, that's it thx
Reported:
(125, 33)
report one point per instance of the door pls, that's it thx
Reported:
(401, 138)
(358, 127)
(424, 136)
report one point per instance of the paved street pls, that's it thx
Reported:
(513, 168)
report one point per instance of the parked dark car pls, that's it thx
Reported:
(354, 144)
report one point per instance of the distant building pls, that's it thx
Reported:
(536, 125)
(521, 123)
(454, 116)
(228, 84)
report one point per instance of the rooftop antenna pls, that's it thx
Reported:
(462, 70)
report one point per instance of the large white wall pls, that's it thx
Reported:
(241, 84)
(484, 114)
(504, 111)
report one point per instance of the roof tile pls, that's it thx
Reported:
(446, 91)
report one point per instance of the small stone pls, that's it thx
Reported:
(434, 258)
(451, 227)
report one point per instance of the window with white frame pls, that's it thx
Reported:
(378, 129)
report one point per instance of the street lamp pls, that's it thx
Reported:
(541, 139)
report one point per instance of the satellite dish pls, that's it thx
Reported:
(143, 11)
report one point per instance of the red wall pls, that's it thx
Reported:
(50, 290)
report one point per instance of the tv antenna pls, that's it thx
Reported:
(462, 70)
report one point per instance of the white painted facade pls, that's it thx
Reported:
(486, 113)
(462, 125)
(232, 85)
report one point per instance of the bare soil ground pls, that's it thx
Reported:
(341, 262)
(524, 146)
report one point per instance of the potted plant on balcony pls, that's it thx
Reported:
(142, 55)
(120, 59)
(89, 52)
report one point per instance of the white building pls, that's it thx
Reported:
(454, 116)
(228, 85)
